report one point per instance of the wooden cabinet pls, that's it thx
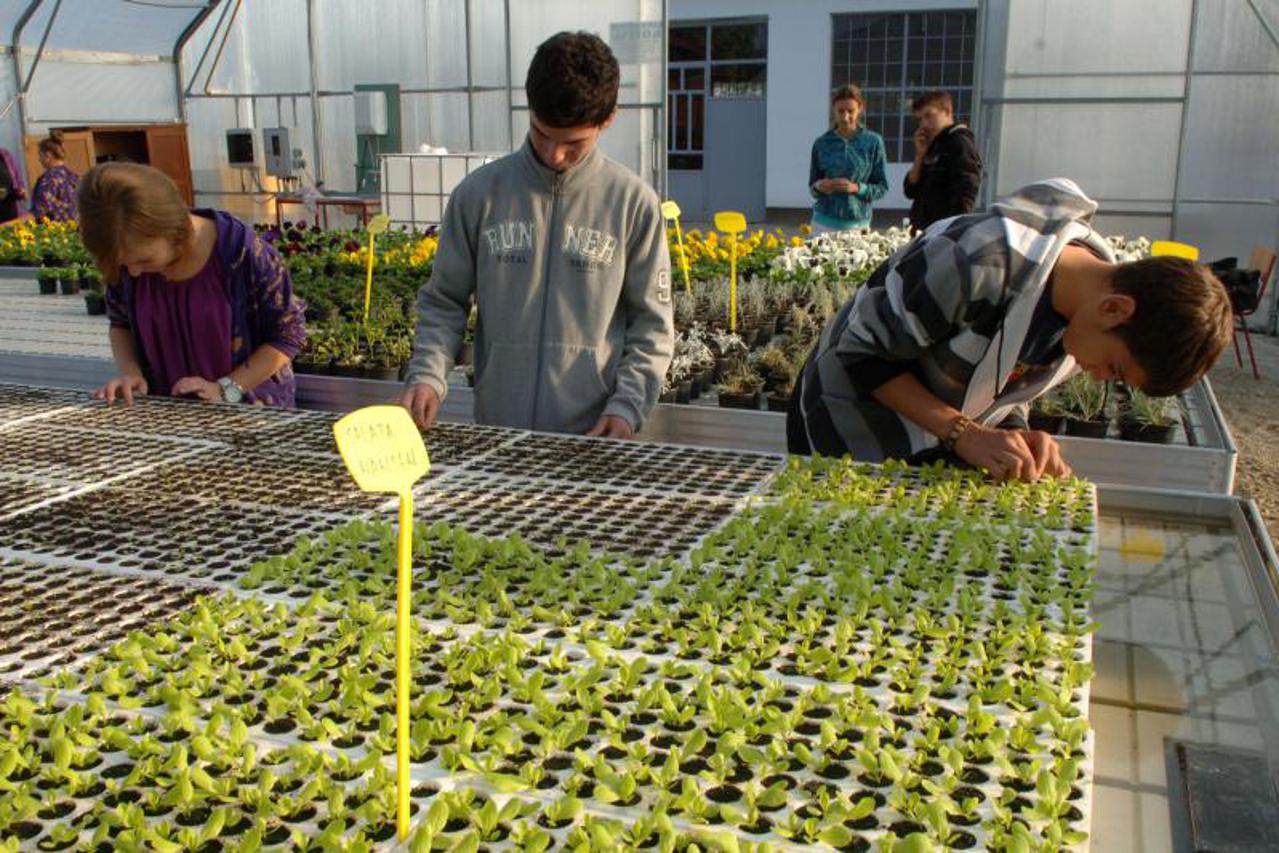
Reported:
(163, 146)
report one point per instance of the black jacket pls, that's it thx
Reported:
(949, 180)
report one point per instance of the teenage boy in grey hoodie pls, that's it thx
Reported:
(565, 253)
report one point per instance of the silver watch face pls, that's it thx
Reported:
(230, 390)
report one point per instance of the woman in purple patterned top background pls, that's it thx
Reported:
(53, 196)
(199, 306)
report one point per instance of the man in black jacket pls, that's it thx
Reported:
(944, 179)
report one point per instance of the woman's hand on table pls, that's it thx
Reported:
(126, 386)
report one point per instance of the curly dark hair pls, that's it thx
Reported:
(572, 80)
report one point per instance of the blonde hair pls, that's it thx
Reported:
(121, 204)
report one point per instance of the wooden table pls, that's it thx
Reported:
(368, 206)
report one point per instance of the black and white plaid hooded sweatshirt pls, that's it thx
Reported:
(953, 307)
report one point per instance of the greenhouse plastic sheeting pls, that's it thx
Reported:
(419, 45)
(1174, 108)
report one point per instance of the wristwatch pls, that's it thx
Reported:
(231, 390)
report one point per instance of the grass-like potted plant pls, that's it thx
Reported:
(1149, 419)
(47, 278)
(1084, 400)
(95, 300)
(740, 388)
(1047, 414)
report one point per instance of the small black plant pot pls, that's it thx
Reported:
(667, 396)
(466, 355)
(1087, 429)
(778, 402)
(350, 371)
(1050, 424)
(313, 368)
(69, 286)
(684, 392)
(48, 286)
(1148, 433)
(739, 401)
(95, 304)
(386, 374)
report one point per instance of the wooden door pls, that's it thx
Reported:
(167, 151)
(78, 145)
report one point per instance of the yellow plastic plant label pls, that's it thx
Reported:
(670, 212)
(375, 227)
(1175, 249)
(732, 223)
(383, 450)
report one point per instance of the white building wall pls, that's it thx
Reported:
(798, 91)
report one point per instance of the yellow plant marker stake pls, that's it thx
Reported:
(375, 227)
(1175, 249)
(670, 212)
(733, 223)
(383, 450)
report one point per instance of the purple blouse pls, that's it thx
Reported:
(53, 196)
(184, 327)
(263, 307)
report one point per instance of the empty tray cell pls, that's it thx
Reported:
(548, 513)
(633, 466)
(17, 494)
(23, 401)
(142, 531)
(280, 480)
(38, 450)
(175, 418)
(55, 617)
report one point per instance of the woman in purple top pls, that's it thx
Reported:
(199, 306)
(53, 196)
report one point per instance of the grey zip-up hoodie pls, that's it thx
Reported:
(572, 281)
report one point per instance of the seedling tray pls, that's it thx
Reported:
(679, 646)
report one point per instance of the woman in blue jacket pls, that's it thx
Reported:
(847, 171)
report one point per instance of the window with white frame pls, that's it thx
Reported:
(895, 57)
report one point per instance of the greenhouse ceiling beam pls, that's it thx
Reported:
(220, 40)
(1265, 24)
(1183, 133)
(16, 43)
(179, 72)
(313, 65)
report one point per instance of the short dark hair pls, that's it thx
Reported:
(572, 80)
(1182, 321)
(936, 98)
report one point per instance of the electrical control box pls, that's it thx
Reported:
(240, 153)
(277, 149)
(370, 113)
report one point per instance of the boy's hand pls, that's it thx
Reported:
(612, 426)
(1047, 453)
(423, 404)
(922, 140)
(1004, 453)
